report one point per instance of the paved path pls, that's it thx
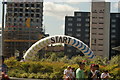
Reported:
(12, 78)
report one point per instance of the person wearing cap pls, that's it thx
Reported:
(67, 73)
(94, 73)
(80, 71)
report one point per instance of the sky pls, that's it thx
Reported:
(54, 12)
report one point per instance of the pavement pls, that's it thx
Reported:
(13, 78)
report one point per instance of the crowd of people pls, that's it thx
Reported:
(79, 74)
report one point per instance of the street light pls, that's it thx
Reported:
(3, 13)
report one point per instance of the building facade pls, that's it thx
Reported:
(23, 26)
(114, 33)
(103, 35)
(100, 28)
(77, 26)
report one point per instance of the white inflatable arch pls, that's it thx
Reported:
(58, 39)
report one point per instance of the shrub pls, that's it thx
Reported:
(49, 68)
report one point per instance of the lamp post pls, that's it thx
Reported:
(3, 12)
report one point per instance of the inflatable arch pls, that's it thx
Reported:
(58, 39)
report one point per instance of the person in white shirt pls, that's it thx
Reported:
(73, 73)
(67, 73)
(105, 75)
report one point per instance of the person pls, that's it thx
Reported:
(80, 71)
(22, 60)
(94, 73)
(98, 72)
(105, 75)
(4, 70)
(67, 73)
(73, 74)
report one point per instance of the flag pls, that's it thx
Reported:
(28, 22)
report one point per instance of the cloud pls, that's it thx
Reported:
(78, 0)
(62, 27)
(58, 10)
(67, 0)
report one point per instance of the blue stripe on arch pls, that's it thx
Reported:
(91, 57)
(77, 43)
(86, 50)
(90, 53)
(80, 46)
(74, 42)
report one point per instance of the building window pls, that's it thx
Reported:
(38, 5)
(94, 17)
(87, 35)
(112, 46)
(113, 36)
(100, 50)
(69, 34)
(78, 24)
(101, 23)
(94, 44)
(117, 15)
(100, 17)
(78, 19)
(86, 25)
(94, 33)
(113, 20)
(113, 30)
(100, 33)
(100, 28)
(26, 15)
(100, 39)
(26, 5)
(78, 29)
(78, 14)
(87, 20)
(21, 15)
(86, 30)
(113, 25)
(37, 10)
(37, 15)
(100, 44)
(113, 41)
(69, 29)
(32, 5)
(69, 24)
(21, 5)
(78, 35)
(94, 28)
(70, 19)
(86, 40)
(32, 15)
(94, 22)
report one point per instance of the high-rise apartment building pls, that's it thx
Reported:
(114, 33)
(23, 26)
(77, 26)
(100, 28)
